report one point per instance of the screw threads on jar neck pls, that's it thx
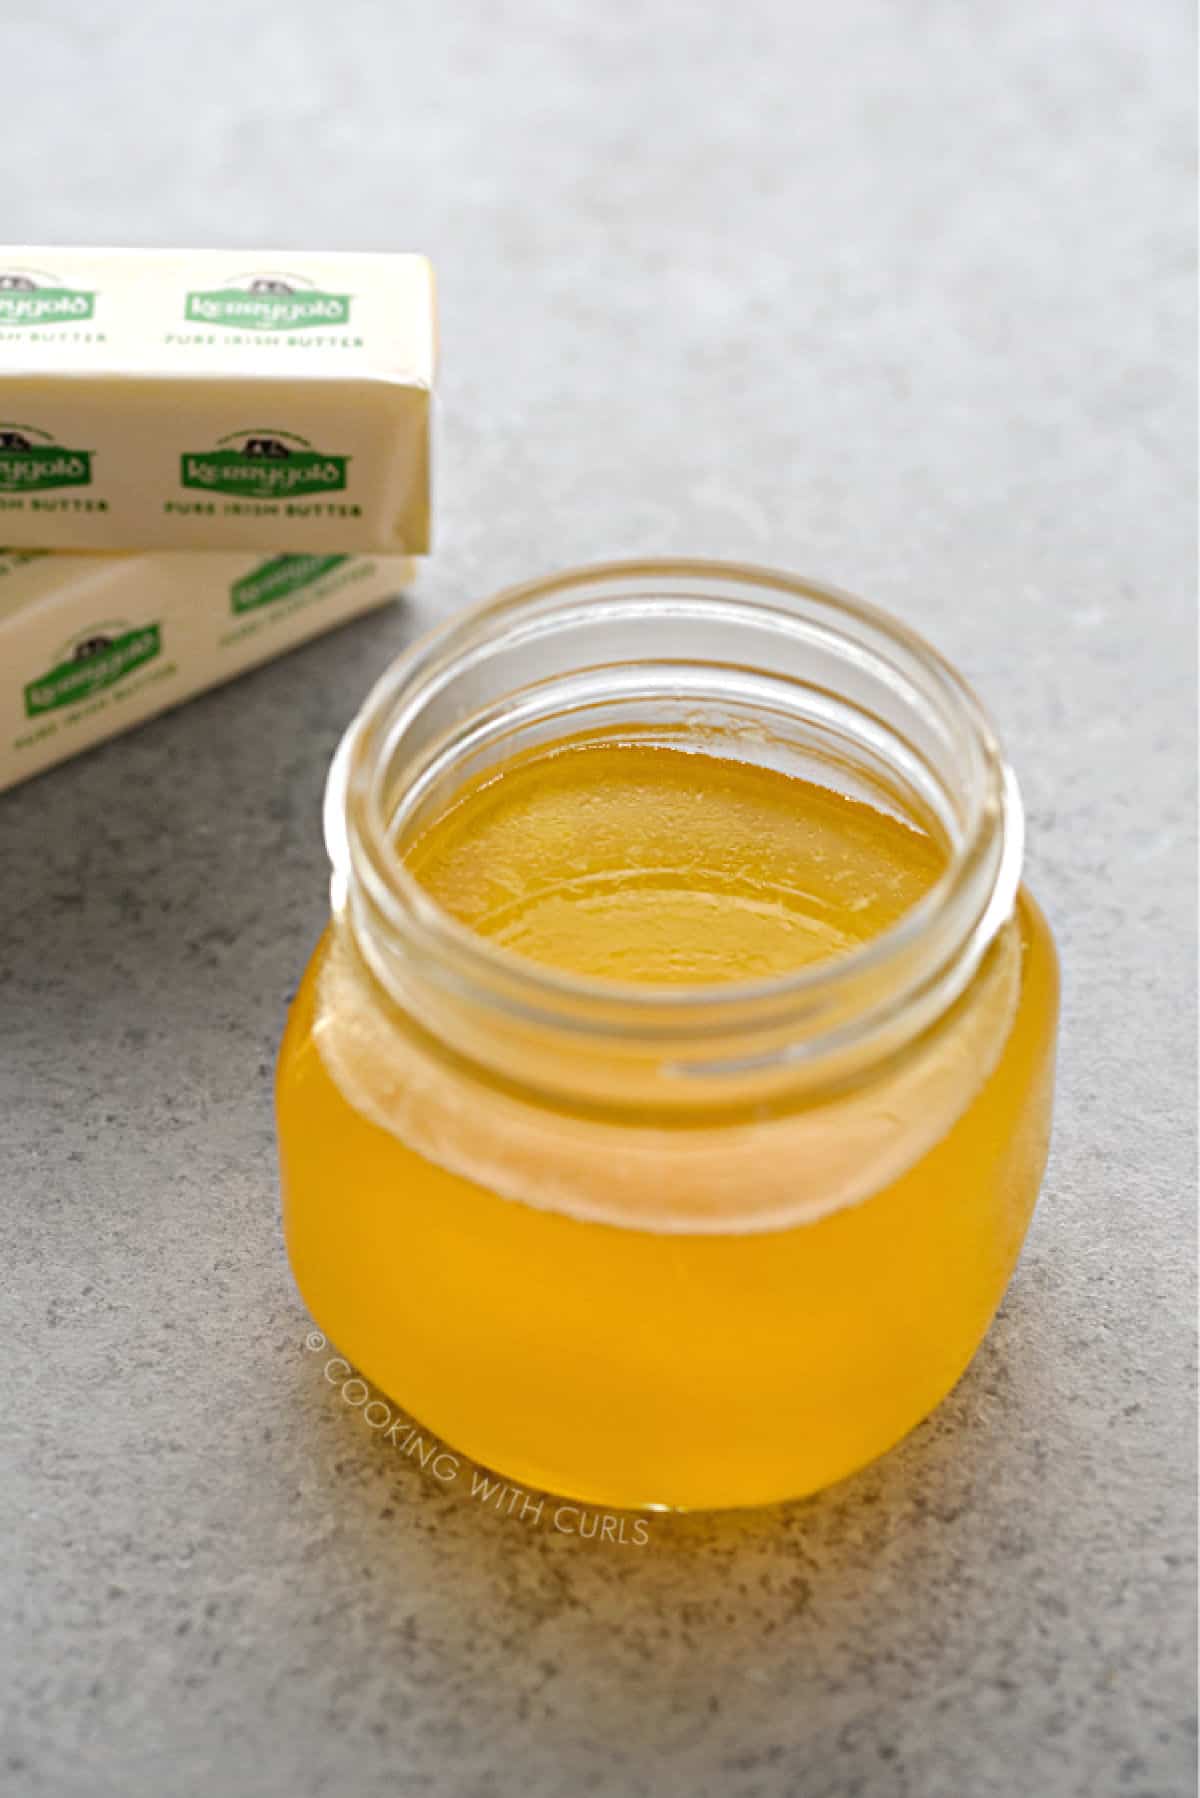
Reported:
(742, 662)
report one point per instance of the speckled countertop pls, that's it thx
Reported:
(895, 294)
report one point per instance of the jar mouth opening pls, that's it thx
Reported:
(792, 643)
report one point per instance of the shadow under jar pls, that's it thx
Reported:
(612, 1227)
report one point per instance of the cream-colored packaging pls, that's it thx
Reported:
(90, 645)
(215, 399)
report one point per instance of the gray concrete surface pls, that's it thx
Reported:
(895, 294)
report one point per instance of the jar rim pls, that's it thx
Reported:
(976, 889)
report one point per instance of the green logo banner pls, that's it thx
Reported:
(98, 663)
(242, 309)
(21, 306)
(35, 467)
(277, 578)
(249, 474)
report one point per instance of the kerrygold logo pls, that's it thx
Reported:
(94, 661)
(28, 298)
(278, 578)
(31, 461)
(268, 303)
(263, 465)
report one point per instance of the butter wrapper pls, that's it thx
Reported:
(215, 400)
(92, 644)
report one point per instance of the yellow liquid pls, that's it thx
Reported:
(627, 1364)
(657, 867)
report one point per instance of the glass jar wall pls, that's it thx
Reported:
(663, 1110)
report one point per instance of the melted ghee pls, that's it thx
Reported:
(659, 867)
(531, 1288)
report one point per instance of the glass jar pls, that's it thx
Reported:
(697, 1246)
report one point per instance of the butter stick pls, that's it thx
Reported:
(215, 400)
(91, 644)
